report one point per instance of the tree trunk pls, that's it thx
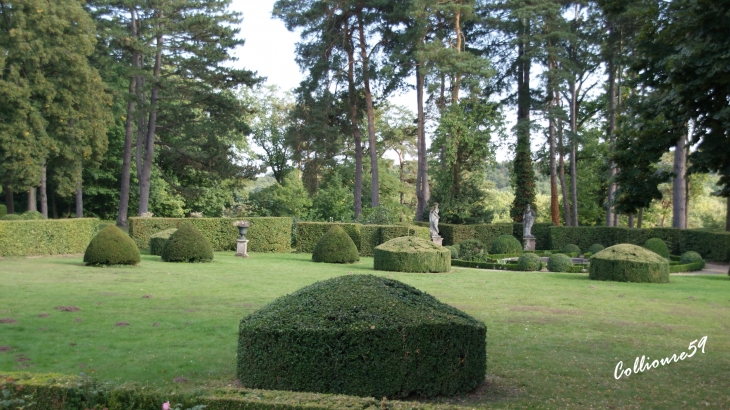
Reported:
(374, 188)
(9, 200)
(679, 195)
(123, 210)
(422, 191)
(631, 220)
(641, 218)
(54, 206)
(353, 121)
(524, 175)
(563, 184)
(727, 215)
(44, 192)
(574, 180)
(32, 199)
(79, 201)
(611, 138)
(554, 206)
(144, 182)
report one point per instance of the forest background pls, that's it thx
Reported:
(614, 112)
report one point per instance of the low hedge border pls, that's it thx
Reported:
(266, 234)
(46, 236)
(578, 268)
(689, 267)
(58, 391)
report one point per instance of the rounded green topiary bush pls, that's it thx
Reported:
(595, 248)
(411, 254)
(691, 257)
(159, 240)
(362, 335)
(473, 250)
(335, 246)
(111, 246)
(657, 246)
(187, 244)
(629, 263)
(12, 217)
(505, 244)
(571, 248)
(454, 251)
(559, 263)
(529, 262)
(30, 215)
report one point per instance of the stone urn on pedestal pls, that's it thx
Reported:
(242, 242)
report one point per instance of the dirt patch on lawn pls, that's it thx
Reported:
(147, 297)
(8, 320)
(5, 349)
(122, 324)
(67, 308)
(180, 380)
(544, 309)
(44, 315)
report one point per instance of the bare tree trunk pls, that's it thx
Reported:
(641, 218)
(631, 220)
(422, 191)
(574, 180)
(563, 184)
(123, 210)
(679, 195)
(79, 201)
(374, 185)
(44, 193)
(144, 182)
(554, 205)
(32, 199)
(9, 200)
(353, 121)
(611, 138)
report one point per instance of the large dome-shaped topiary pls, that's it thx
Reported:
(657, 246)
(505, 244)
(571, 248)
(411, 254)
(629, 263)
(335, 246)
(111, 246)
(187, 244)
(362, 335)
(559, 263)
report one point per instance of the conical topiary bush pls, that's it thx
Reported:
(187, 244)
(111, 246)
(335, 246)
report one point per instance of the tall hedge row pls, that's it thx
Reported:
(366, 237)
(57, 391)
(266, 234)
(46, 237)
(711, 245)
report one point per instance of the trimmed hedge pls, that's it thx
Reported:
(541, 232)
(506, 244)
(365, 237)
(657, 246)
(32, 215)
(308, 234)
(12, 217)
(111, 246)
(714, 246)
(335, 246)
(362, 335)
(629, 263)
(595, 248)
(266, 234)
(58, 391)
(503, 266)
(3, 210)
(46, 237)
(158, 241)
(187, 244)
(691, 257)
(560, 263)
(687, 267)
(473, 250)
(529, 262)
(411, 254)
(571, 249)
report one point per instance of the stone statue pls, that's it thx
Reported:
(433, 218)
(527, 220)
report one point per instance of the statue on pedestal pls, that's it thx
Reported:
(433, 219)
(528, 218)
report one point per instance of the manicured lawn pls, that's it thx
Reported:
(553, 340)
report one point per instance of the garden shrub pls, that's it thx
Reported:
(560, 263)
(3, 210)
(657, 246)
(187, 244)
(595, 248)
(32, 215)
(454, 251)
(629, 263)
(473, 250)
(506, 244)
(362, 335)
(46, 237)
(571, 249)
(529, 262)
(111, 246)
(373, 235)
(308, 233)
(12, 217)
(266, 234)
(412, 254)
(335, 246)
(691, 257)
(158, 241)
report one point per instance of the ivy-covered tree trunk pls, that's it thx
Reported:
(679, 183)
(611, 139)
(374, 184)
(352, 95)
(422, 189)
(149, 150)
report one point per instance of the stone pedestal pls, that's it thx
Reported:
(528, 243)
(242, 247)
(437, 240)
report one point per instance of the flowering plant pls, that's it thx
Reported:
(243, 224)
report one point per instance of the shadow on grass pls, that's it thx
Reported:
(493, 389)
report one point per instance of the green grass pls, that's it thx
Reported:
(553, 339)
